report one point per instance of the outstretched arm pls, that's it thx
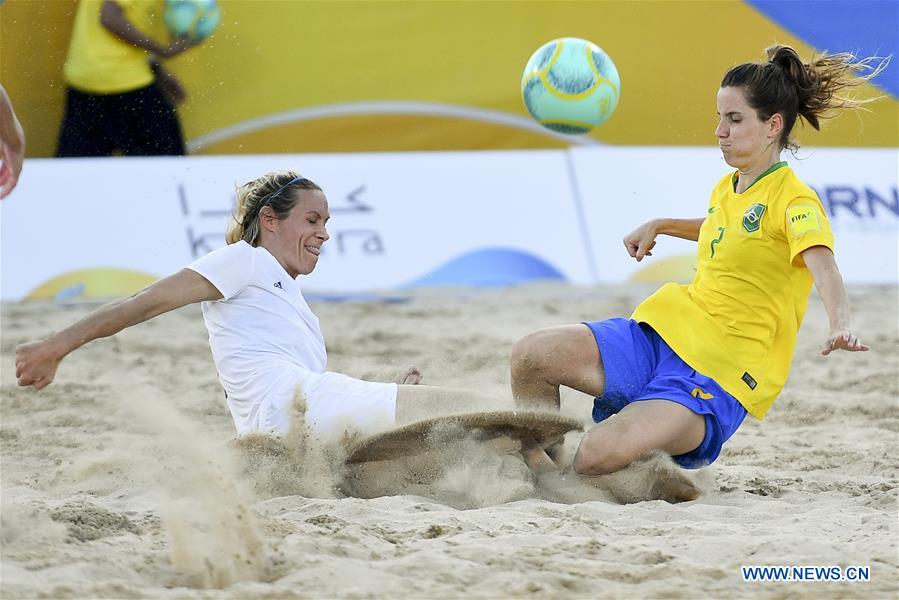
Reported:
(36, 362)
(641, 240)
(12, 146)
(829, 283)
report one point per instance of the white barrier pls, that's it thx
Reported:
(859, 190)
(623, 187)
(398, 220)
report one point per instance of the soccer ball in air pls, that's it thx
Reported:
(570, 86)
(191, 19)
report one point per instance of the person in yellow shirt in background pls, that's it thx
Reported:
(693, 360)
(120, 97)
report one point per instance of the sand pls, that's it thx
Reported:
(545, 428)
(123, 480)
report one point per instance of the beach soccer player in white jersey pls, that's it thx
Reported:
(265, 340)
(693, 360)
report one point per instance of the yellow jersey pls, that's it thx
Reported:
(101, 63)
(737, 321)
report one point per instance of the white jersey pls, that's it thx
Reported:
(265, 341)
(263, 335)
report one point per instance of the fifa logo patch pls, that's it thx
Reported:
(752, 218)
(803, 219)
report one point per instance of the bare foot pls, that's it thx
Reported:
(408, 376)
(675, 489)
(653, 478)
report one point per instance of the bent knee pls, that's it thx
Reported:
(529, 353)
(600, 456)
(546, 350)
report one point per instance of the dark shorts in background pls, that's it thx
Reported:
(137, 123)
(639, 365)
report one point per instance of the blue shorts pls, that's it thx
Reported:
(639, 365)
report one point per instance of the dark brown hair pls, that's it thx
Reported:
(814, 91)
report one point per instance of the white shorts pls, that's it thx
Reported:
(335, 403)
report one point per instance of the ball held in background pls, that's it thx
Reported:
(192, 19)
(570, 85)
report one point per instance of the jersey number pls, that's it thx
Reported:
(718, 241)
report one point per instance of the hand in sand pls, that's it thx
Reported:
(843, 340)
(408, 376)
(36, 364)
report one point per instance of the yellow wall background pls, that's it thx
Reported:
(269, 57)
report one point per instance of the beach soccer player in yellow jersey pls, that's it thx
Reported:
(682, 373)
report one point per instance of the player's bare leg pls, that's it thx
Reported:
(536, 457)
(548, 358)
(639, 429)
(541, 363)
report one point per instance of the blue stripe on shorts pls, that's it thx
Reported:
(639, 365)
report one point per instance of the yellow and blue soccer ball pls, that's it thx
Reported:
(570, 86)
(191, 19)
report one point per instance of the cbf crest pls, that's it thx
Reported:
(752, 218)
